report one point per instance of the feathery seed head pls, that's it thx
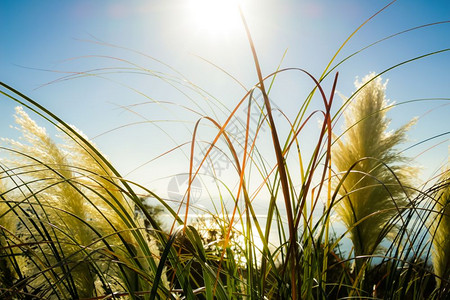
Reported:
(371, 194)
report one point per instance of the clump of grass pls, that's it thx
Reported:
(66, 204)
(53, 191)
(439, 225)
(80, 230)
(8, 260)
(373, 176)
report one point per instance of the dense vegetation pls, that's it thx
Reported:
(72, 227)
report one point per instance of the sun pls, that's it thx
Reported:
(215, 16)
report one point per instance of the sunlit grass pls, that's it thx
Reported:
(72, 227)
(373, 178)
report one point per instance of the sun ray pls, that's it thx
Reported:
(215, 16)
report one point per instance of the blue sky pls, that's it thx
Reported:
(43, 41)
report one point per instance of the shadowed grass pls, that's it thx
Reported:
(439, 225)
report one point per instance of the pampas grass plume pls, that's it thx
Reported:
(371, 194)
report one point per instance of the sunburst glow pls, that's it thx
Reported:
(215, 16)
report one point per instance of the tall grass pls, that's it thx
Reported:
(373, 183)
(72, 227)
(440, 230)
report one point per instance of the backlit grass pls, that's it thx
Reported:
(71, 226)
